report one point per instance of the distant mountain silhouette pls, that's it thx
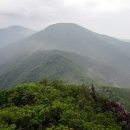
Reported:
(110, 57)
(13, 33)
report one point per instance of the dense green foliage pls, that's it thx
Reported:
(55, 106)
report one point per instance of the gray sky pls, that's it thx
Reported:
(111, 17)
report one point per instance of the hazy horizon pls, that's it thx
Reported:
(108, 17)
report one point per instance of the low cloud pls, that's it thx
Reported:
(97, 15)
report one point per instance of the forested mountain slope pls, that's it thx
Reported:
(55, 64)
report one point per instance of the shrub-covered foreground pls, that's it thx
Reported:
(58, 106)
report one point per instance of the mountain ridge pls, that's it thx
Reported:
(103, 50)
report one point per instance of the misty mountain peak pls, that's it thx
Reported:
(64, 31)
(65, 27)
(13, 33)
(18, 28)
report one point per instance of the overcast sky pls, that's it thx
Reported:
(111, 17)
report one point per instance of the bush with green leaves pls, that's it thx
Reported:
(54, 106)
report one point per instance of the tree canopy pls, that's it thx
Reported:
(57, 105)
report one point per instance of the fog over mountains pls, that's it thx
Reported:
(90, 55)
(13, 34)
(126, 40)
